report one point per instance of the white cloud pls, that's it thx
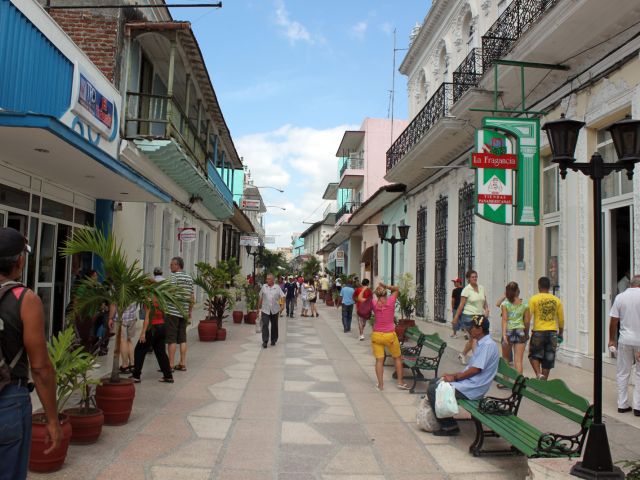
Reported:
(359, 29)
(292, 29)
(299, 160)
(387, 27)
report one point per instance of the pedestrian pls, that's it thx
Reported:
(338, 283)
(127, 334)
(515, 325)
(625, 314)
(455, 302)
(312, 297)
(324, 285)
(473, 301)
(153, 334)
(175, 320)
(384, 333)
(548, 325)
(475, 380)
(23, 349)
(364, 306)
(290, 292)
(624, 282)
(348, 301)
(270, 309)
(305, 301)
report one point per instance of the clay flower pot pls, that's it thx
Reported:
(207, 330)
(222, 334)
(38, 461)
(86, 425)
(237, 316)
(251, 318)
(116, 400)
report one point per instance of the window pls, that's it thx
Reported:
(551, 182)
(616, 183)
(149, 233)
(552, 234)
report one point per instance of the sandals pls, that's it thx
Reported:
(403, 386)
(127, 369)
(180, 368)
(166, 380)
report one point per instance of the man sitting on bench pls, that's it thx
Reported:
(474, 382)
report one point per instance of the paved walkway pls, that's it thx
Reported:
(304, 409)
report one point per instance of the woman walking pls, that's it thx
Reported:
(473, 301)
(384, 334)
(304, 288)
(515, 325)
(312, 297)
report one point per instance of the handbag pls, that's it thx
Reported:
(425, 418)
(364, 308)
(446, 404)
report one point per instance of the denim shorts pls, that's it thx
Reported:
(464, 322)
(15, 432)
(516, 336)
(543, 347)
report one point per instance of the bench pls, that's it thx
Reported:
(418, 362)
(411, 334)
(500, 416)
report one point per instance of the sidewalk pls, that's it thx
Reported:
(304, 409)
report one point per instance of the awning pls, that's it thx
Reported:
(367, 255)
(384, 196)
(351, 140)
(241, 221)
(177, 165)
(45, 146)
(331, 192)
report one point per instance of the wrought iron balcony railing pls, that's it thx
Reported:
(467, 74)
(352, 163)
(514, 22)
(435, 108)
(348, 207)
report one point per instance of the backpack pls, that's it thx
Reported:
(6, 367)
(364, 308)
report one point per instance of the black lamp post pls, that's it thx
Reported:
(563, 136)
(382, 233)
(254, 254)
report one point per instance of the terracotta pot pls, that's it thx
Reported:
(237, 316)
(321, 294)
(116, 400)
(400, 329)
(329, 302)
(38, 461)
(222, 334)
(406, 322)
(251, 317)
(86, 426)
(207, 330)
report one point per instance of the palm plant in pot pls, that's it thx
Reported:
(124, 283)
(215, 283)
(406, 303)
(240, 285)
(251, 297)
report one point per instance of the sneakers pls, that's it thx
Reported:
(462, 358)
(361, 337)
(454, 335)
(624, 410)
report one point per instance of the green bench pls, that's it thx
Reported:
(418, 362)
(500, 417)
(411, 334)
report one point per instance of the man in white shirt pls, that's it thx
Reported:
(270, 307)
(626, 312)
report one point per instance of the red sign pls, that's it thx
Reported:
(489, 160)
(495, 199)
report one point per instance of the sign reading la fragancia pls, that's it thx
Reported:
(508, 161)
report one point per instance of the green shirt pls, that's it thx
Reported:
(475, 300)
(515, 314)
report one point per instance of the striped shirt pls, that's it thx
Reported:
(185, 281)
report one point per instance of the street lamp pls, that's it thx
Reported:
(254, 254)
(382, 233)
(274, 206)
(563, 136)
(273, 188)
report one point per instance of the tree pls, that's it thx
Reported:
(272, 262)
(311, 267)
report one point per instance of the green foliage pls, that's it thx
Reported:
(251, 296)
(272, 262)
(406, 295)
(311, 267)
(215, 282)
(72, 364)
(124, 284)
(634, 468)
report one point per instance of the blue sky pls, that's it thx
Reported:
(291, 76)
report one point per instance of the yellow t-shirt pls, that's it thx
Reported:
(546, 312)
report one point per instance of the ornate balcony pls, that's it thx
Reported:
(436, 108)
(347, 209)
(468, 73)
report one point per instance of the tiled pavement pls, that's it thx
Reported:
(304, 409)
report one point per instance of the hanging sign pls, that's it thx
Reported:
(187, 234)
(249, 240)
(489, 160)
(249, 204)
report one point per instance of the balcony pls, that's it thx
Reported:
(351, 171)
(345, 211)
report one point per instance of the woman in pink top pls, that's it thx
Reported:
(384, 334)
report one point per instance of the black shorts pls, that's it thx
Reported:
(542, 347)
(176, 329)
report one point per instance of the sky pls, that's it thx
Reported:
(291, 76)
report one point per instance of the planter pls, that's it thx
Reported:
(237, 316)
(86, 426)
(251, 317)
(222, 334)
(322, 292)
(400, 329)
(329, 302)
(116, 400)
(338, 301)
(207, 330)
(408, 323)
(38, 461)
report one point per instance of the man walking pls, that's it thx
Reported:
(548, 324)
(324, 285)
(290, 290)
(625, 312)
(22, 345)
(347, 304)
(270, 308)
(176, 323)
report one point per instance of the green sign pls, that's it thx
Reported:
(525, 133)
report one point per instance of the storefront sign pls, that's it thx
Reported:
(187, 234)
(269, 239)
(95, 102)
(249, 240)
(490, 160)
(250, 204)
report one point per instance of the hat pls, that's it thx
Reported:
(480, 321)
(457, 280)
(12, 242)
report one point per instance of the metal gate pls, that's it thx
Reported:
(440, 283)
(421, 247)
(466, 220)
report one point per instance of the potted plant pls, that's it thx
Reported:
(240, 285)
(336, 298)
(215, 282)
(123, 284)
(406, 303)
(251, 296)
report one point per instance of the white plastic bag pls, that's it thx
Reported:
(425, 418)
(446, 404)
